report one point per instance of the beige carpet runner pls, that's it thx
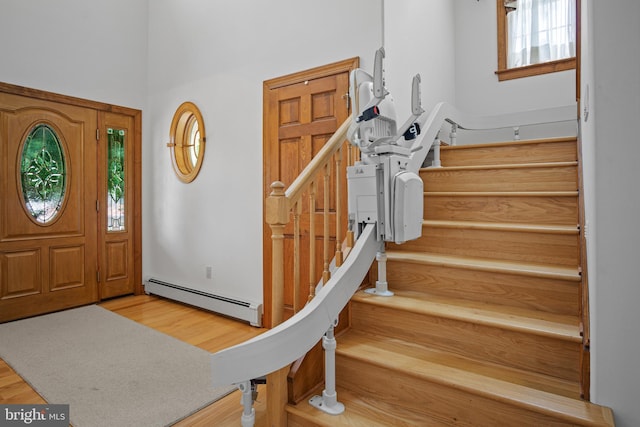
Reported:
(111, 370)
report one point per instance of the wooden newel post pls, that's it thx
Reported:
(277, 216)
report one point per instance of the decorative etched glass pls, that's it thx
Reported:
(115, 179)
(194, 142)
(43, 173)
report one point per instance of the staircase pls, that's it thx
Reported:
(484, 327)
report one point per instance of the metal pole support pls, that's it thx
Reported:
(436, 163)
(249, 413)
(382, 287)
(328, 402)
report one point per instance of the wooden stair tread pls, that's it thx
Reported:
(521, 268)
(420, 352)
(361, 412)
(555, 176)
(498, 166)
(511, 152)
(503, 193)
(498, 226)
(508, 143)
(562, 407)
(552, 325)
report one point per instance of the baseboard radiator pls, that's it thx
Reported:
(242, 310)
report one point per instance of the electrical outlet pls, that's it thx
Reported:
(208, 272)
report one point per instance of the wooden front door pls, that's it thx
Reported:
(301, 112)
(69, 202)
(48, 230)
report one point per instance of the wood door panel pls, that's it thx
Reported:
(289, 111)
(117, 260)
(20, 273)
(65, 270)
(293, 153)
(322, 105)
(51, 265)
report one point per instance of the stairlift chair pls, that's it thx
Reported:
(382, 189)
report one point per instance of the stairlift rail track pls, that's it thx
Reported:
(285, 343)
(446, 113)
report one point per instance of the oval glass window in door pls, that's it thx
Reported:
(43, 174)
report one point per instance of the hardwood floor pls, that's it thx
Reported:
(200, 328)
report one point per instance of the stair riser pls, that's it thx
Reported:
(297, 420)
(518, 349)
(550, 295)
(563, 178)
(294, 420)
(360, 412)
(458, 407)
(470, 155)
(560, 249)
(543, 210)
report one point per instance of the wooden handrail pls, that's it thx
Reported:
(303, 181)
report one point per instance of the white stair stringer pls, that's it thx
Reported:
(288, 341)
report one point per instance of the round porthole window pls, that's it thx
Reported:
(43, 174)
(187, 141)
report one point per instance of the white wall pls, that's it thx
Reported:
(477, 87)
(217, 54)
(419, 38)
(92, 50)
(615, 287)
(478, 90)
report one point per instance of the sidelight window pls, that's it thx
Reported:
(115, 179)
